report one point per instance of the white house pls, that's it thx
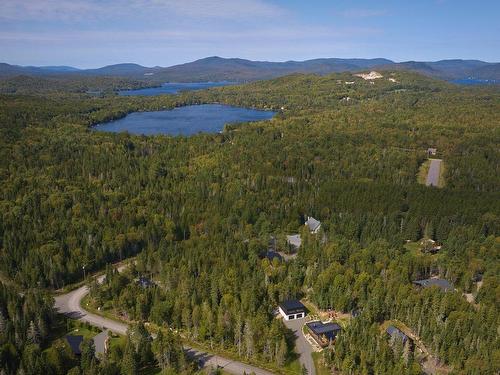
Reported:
(313, 224)
(292, 309)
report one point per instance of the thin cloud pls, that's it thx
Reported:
(84, 10)
(362, 13)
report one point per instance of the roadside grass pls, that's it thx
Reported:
(442, 181)
(423, 172)
(70, 287)
(319, 364)
(292, 367)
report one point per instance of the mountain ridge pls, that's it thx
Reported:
(215, 68)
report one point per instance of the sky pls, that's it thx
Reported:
(94, 33)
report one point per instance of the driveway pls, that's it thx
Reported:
(434, 171)
(302, 346)
(70, 305)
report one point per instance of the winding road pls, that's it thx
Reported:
(69, 304)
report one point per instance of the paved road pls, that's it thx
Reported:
(433, 175)
(302, 346)
(70, 305)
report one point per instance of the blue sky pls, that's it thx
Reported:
(93, 33)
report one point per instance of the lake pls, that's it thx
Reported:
(473, 81)
(173, 88)
(188, 120)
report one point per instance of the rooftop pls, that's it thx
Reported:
(397, 333)
(74, 343)
(321, 328)
(294, 240)
(312, 223)
(443, 284)
(292, 306)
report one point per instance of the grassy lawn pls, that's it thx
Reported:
(442, 181)
(423, 171)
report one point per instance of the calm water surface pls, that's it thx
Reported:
(473, 81)
(173, 88)
(189, 120)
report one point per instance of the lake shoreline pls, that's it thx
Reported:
(187, 120)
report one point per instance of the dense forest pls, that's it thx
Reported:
(200, 211)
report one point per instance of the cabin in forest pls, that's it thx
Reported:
(430, 246)
(313, 224)
(323, 333)
(74, 343)
(396, 334)
(292, 309)
(442, 284)
(294, 241)
(431, 151)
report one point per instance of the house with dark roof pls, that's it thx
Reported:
(313, 224)
(323, 333)
(396, 334)
(442, 284)
(271, 255)
(74, 343)
(292, 309)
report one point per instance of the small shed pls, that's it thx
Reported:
(292, 309)
(431, 151)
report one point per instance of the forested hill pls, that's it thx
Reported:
(240, 70)
(200, 211)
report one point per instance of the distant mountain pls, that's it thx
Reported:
(7, 70)
(240, 70)
(449, 69)
(220, 69)
(60, 69)
(126, 69)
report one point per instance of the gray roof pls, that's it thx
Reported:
(294, 240)
(396, 333)
(99, 342)
(443, 284)
(312, 223)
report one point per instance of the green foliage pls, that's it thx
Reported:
(200, 211)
